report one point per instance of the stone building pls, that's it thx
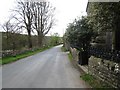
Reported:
(105, 39)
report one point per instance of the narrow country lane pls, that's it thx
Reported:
(48, 69)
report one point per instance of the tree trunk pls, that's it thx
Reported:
(40, 39)
(7, 40)
(29, 40)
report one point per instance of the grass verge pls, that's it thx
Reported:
(95, 83)
(6, 60)
(0, 61)
(70, 56)
(63, 49)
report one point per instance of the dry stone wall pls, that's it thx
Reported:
(105, 70)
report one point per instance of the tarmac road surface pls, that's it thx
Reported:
(47, 69)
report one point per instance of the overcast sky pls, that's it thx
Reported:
(66, 12)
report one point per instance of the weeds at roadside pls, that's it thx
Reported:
(70, 56)
(64, 49)
(95, 83)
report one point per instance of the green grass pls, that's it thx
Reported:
(63, 49)
(6, 60)
(95, 83)
(0, 61)
(70, 56)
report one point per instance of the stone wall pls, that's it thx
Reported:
(107, 71)
(104, 70)
(75, 53)
(16, 52)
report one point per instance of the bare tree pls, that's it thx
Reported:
(38, 15)
(6, 26)
(11, 29)
(43, 19)
(25, 17)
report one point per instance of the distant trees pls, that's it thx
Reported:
(11, 29)
(7, 27)
(43, 19)
(55, 39)
(25, 17)
(29, 17)
(36, 16)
